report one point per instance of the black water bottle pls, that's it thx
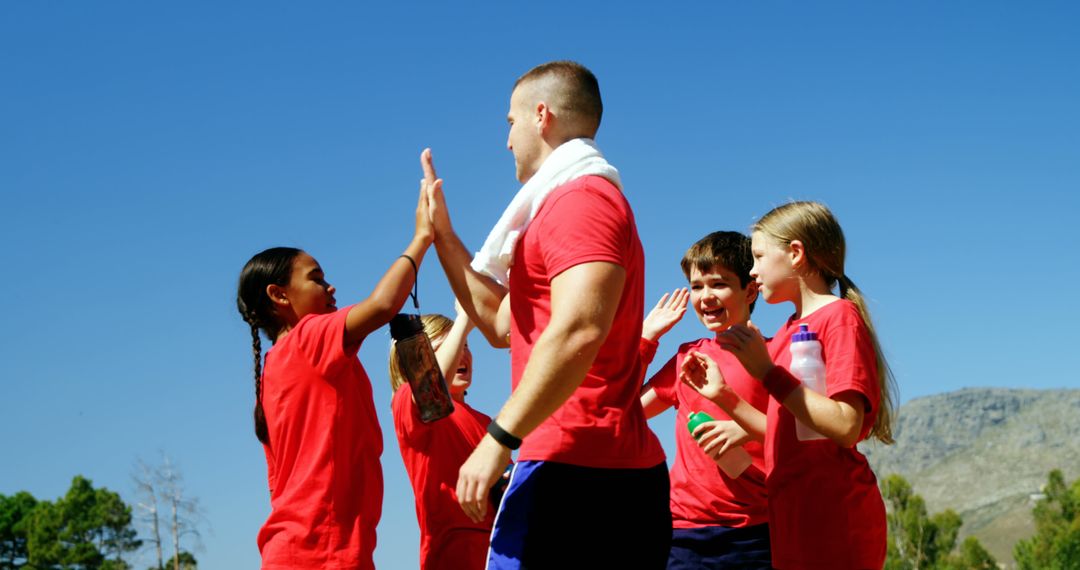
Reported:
(420, 367)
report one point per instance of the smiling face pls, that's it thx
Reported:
(307, 291)
(461, 377)
(719, 299)
(773, 269)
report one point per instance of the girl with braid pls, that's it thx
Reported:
(314, 412)
(825, 510)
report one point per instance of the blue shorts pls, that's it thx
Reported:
(556, 515)
(720, 547)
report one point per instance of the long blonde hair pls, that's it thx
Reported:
(435, 326)
(823, 241)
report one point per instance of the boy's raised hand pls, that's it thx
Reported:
(747, 344)
(668, 311)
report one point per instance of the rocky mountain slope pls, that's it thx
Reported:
(985, 453)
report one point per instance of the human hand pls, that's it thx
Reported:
(747, 344)
(702, 374)
(436, 201)
(424, 229)
(668, 310)
(478, 474)
(718, 437)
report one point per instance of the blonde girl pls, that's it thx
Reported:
(433, 452)
(825, 510)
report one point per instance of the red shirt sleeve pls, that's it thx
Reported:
(665, 382)
(407, 422)
(582, 226)
(321, 339)
(851, 365)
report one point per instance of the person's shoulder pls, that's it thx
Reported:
(699, 344)
(591, 184)
(840, 311)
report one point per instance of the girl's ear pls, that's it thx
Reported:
(797, 254)
(277, 295)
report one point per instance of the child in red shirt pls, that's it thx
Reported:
(314, 413)
(719, 521)
(825, 509)
(433, 452)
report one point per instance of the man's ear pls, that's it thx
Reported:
(277, 295)
(544, 119)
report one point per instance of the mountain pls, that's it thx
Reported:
(985, 453)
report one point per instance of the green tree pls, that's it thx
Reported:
(14, 520)
(920, 541)
(86, 529)
(1056, 544)
(185, 560)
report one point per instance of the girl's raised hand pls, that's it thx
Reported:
(425, 229)
(702, 374)
(668, 311)
(747, 344)
(436, 201)
(716, 438)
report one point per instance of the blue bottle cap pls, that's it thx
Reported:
(804, 334)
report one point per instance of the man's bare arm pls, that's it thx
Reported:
(584, 300)
(479, 294)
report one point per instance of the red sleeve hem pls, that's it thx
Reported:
(647, 350)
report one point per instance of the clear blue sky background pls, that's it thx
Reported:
(148, 149)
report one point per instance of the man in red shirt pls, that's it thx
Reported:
(566, 264)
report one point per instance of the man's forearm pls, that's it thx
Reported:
(478, 294)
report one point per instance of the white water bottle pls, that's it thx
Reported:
(807, 365)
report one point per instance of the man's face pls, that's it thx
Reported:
(524, 139)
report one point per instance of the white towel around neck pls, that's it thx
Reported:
(571, 160)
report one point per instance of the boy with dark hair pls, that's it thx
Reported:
(719, 521)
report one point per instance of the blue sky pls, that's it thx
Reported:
(147, 150)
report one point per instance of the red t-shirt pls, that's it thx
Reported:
(601, 424)
(326, 483)
(433, 454)
(825, 510)
(701, 493)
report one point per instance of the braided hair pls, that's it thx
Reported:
(269, 267)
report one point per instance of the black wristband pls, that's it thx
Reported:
(505, 438)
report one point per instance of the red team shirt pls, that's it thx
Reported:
(825, 510)
(433, 453)
(323, 467)
(602, 423)
(701, 493)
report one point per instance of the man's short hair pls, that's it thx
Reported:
(571, 89)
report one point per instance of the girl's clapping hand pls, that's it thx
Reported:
(747, 344)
